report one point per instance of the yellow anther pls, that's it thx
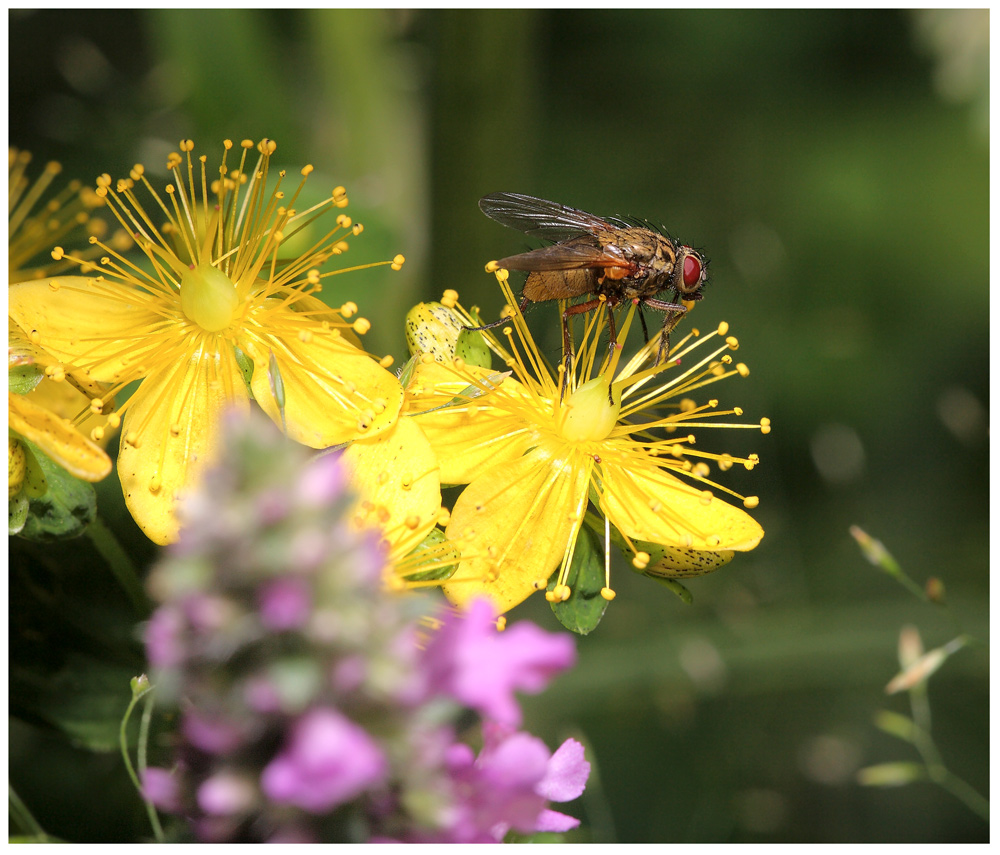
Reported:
(751, 502)
(349, 308)
(733, 342)
(706, 497)
(449, 298)
(765, 425)
(723, 328)
(386, 360)
(397, 262)
(607, 593)
(361, 326)
(742, 369)
(640, 560)
(154, 484)
(492, 267)
(305, 336)
(132, 438)
(114, 420)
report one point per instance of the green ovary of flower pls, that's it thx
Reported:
(590, 415)
(209, 298)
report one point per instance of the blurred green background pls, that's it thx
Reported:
(834, 167)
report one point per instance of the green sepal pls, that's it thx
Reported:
(432, 545)
(21, 379)
(67, 507)
(675, 587)
(406, 372)
(246, 367)
(277, 384)
(472, 348)
(17, 513)
(583, 611)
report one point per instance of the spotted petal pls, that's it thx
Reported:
(396, 475)
(169, 435)
(519, 516)
(655, 506)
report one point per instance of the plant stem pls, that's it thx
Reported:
(147, 715)
(20, 814)
(121, 565)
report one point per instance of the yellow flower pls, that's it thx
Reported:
(534, 459)
(37, 219)
(42, 399)
(215, 303)
(39, 401)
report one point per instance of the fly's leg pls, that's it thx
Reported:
(674, 312)
(642, 320)
(492, 324)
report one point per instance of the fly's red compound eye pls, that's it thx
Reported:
(692, 271)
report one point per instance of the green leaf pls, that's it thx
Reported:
(23, 378)
(895, 725)
(891, 774)
(67, 507)
(73, 647)
(583, 611)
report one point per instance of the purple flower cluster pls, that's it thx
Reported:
(314, 704)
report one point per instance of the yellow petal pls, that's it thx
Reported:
(396, 477)
(57, 438)
(655, 506)
(170, 434)
(513, 524)
(83, 321)
(334, 393)
(471, 437)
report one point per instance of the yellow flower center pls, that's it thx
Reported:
(589, 414)
(208, 297)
